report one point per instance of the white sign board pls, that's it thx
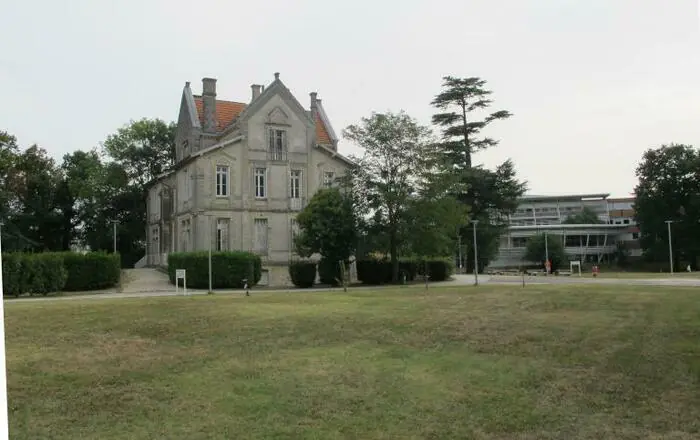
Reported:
(181, 274)
(576, 264)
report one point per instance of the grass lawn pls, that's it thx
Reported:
(643, 275)
(497, 362)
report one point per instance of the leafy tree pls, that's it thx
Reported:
(41, 213)
(538, 248)
(327, 226)
(458, 101)
(144, 148)
(584, 217)
(397, 152)
(492, 195)
(139, 152)
(669, 189)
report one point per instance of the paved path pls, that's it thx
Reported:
(147, 283)
(676, 282)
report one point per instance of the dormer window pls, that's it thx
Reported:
(277, 149)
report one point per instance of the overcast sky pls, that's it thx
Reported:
(591, 83)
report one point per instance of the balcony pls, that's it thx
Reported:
(296, 204)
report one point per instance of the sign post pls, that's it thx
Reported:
(4, 425)
(181, 274)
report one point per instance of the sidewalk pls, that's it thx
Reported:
(163, 291)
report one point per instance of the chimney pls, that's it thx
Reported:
(314, 105)
(209, 104)
(256, 88)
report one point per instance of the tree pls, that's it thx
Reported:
(397, 151)
(435, 222)
(491, 195)
(458, 101)
(41, 211)
(144, 148)
(538, 248)
(327, 226)
(139, 152)
(584, 217)
(669, 189)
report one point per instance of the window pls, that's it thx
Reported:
(328, 178)
(221, 181)
(277, 148)
(625, 221)
(222, 234)
(635, 236)
(185, 228)
(260, 235)
(260, 183)
(295, 184)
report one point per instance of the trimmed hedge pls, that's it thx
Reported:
(228, 269)
(40, 273)
(329, 272)
(302, 273)
(43, 273)
(379, 271)
(91, 271)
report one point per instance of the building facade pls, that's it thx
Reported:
(243, 171)
(591, 242)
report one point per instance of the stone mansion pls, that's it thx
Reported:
(243, 171)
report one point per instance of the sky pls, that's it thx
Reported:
(591, 84)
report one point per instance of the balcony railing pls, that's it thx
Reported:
(296, 204)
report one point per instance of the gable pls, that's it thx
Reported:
(277, 116)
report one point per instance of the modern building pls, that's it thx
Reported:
(589, 242)
(243, 171)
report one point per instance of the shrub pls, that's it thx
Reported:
(91, 271)
(302, 273)
(373, 271)
(12, 274)
(440, 269)
(40, 273)
(329, 271)
(229, 269)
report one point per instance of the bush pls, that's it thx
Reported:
(40, 273)
(439, 269)
(229, 269)
(379, 271)
(329, 271)
(302, 273)
(91, 271)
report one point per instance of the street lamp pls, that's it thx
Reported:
(114, 233)
(4, 427)
(546, 254)
(670, 246)
(476, 256)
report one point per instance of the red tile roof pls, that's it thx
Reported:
(227, 111)
(322, 136)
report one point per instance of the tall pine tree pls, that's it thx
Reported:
(492, 195)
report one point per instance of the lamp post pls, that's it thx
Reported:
(476, 255)
(4, 427)
(670, 246)
(114, 233)
(459, 250)
(546, 254)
